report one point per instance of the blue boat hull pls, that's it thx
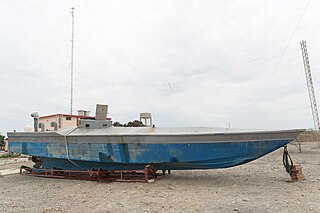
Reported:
(132, 156)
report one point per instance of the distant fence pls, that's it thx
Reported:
(309, 136)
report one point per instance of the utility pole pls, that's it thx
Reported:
(71, 63)
(312, 95)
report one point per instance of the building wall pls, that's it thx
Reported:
(47, 121)
(68, 121)
(62, 121)
(6, 145)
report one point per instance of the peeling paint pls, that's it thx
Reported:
(164, 156)
(56, 150)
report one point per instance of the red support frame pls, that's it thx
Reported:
(148, 174)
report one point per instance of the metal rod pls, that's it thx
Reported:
(71, 63)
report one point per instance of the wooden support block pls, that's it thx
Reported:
(296, 173)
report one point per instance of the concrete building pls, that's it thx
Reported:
(6, 144)
(64, 120)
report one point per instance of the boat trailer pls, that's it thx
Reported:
(147, 175)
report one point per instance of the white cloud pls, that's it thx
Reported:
(190, 63)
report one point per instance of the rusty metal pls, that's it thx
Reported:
(149, 174)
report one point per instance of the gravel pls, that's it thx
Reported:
(259, 186)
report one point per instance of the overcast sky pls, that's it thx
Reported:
(189, 63)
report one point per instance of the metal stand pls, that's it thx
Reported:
(145, 176)
(297, 144)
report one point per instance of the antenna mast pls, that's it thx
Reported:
(71, 63)
(312, 95)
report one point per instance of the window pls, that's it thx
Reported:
(68, 118)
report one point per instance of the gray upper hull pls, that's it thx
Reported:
(115, 148)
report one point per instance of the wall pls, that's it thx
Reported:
(61, 121)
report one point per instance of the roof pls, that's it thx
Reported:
(67, 115)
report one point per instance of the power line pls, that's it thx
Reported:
(287, 46)
(285, 50)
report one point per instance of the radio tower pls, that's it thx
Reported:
(71, 63)
(312, 95)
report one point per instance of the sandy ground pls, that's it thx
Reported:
(259, 186)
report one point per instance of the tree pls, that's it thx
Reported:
(134, 123)
(117, 124)
(1, 140)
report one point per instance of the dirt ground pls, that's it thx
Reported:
(259, 186)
